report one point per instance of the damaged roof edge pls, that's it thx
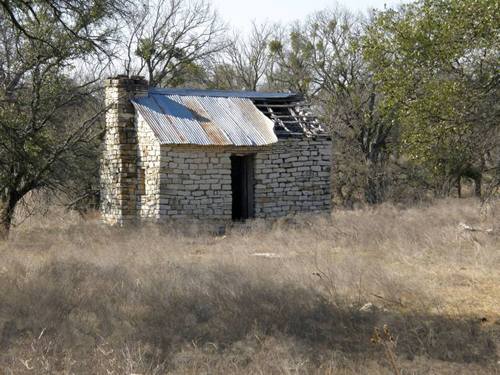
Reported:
(252, 95)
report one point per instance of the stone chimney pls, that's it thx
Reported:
(119, 159)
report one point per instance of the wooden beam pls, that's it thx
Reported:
(278, 105)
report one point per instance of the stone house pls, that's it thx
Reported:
(210, 154)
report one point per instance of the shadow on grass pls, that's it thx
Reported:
(168, 306)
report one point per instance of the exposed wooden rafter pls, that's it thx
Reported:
(291, 118)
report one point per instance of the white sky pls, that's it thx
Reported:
(240, 13)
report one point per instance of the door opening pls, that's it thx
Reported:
(242, 183)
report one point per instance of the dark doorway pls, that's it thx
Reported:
(242, 181)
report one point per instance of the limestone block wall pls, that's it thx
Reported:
(293, 176)
(118, 169)
(148, 176)
(195, 182)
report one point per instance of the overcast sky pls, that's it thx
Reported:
(240, 13)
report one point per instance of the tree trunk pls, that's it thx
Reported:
(477, 186)
(5, 222)
(372, 191)
(7, 206)
(376, 182)
(459, 186)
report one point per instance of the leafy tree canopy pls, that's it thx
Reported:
(46, 127)
(437, 62)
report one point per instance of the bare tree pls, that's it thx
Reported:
(290, 62)
(167, 38)
(349, 94)
(249, 57)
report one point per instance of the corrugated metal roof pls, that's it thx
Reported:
(205, 120)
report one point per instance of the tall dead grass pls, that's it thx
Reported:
(297, 295)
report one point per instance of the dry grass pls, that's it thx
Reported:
(77, 297)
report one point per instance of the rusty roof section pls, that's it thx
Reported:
(205, 120)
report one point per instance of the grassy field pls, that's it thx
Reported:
(293, 296)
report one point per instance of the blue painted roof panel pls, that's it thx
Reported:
(255, 95)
